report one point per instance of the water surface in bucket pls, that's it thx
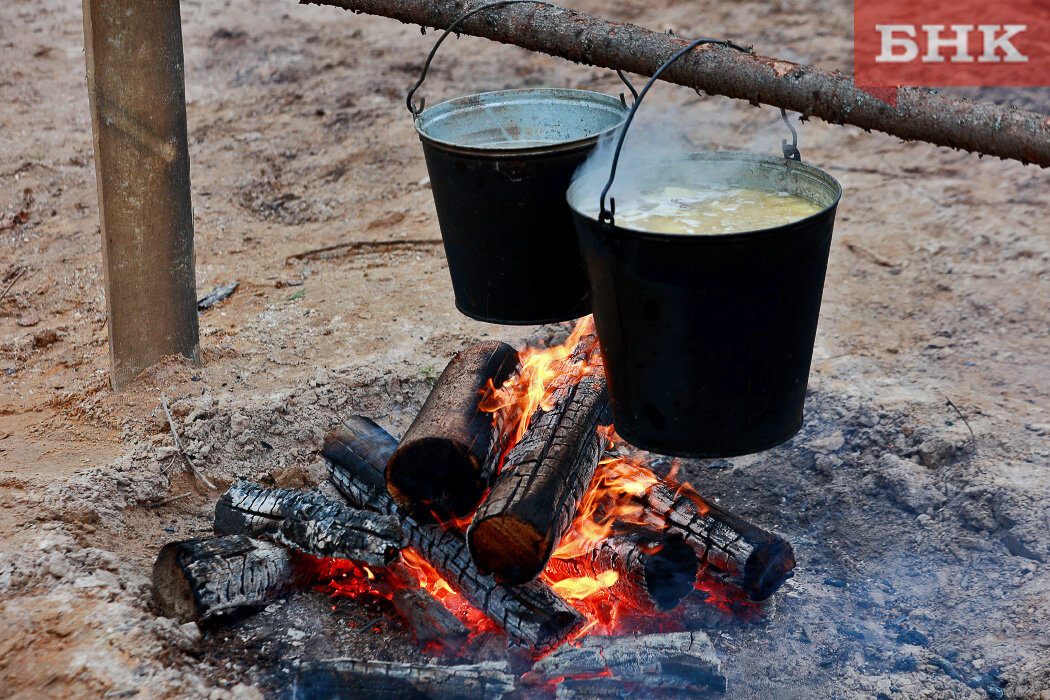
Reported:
(710, 209)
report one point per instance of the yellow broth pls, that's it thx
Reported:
(711, 210)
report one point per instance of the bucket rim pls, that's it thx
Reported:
(736, 236)
(419, 122)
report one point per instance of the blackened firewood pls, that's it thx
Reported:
(734, 550)
(389, 680)
(657, 570)
(685, 661)
(532, 614)
(199, 579)
(534, 500)
(443, 464)
(310, 523)
(250, 509)
(433, 625)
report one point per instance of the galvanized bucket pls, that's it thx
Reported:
(707, 339)
(499, 165)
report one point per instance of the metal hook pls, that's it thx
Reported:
(634, 92)
(453, 27)
(790, 150)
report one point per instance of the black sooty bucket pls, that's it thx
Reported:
(707, 339)
(499, 164)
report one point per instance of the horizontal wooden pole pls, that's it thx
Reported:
(920, 114)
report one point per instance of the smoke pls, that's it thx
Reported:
(656, 136)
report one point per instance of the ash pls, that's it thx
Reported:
(920, 574)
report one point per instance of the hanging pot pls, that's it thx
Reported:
(499, 165)
(707, 339)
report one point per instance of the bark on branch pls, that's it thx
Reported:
(920, 114)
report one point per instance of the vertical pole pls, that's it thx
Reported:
(138, 109)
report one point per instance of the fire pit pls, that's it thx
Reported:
(571, 540)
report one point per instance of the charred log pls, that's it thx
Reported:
(657, 570)
(433, 625)
(310, 523)
(535, 498)
(442, 465)
(200, 579)
(532, 614)
(685, 661)
(300, 520)
(734, 550)
(388, 680)
(918, 115)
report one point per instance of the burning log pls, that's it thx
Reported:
(443, 466)
(388, 680)
(310, 523)
(657, 568)
(684, 661)
(737, 551)
(532, 614)
(918, 115)
(535, 498)
(313, 524)
(433, 625)
(199, 579)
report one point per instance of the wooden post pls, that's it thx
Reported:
(138, 108)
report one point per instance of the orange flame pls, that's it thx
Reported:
(541, 372)
(429, 579)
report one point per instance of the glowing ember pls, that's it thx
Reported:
(475, 620)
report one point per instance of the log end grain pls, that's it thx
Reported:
(172, 587)
(767, 568)
(670, 572)
(434, 477)
(507, 547)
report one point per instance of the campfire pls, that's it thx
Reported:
(510, 506)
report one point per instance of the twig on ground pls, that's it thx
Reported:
(178, 444)
(216, 295)
(973, 438)
(864, 253)
(172, 499)
(361, 245)
(8, 287)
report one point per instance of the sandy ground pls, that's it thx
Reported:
(937, 290)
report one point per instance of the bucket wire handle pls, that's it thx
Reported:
(605, 215)
(451, 28)
(790, 151)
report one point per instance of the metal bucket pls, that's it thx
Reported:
(707, 340)
(499, 164)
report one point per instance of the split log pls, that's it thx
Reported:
(919, 115)
(200, 579)
(250, 509)
(310, 523)
(736, 551)
(657, 570)
(389, 680)
(534, 500)
(442, 466)
(532, 615)
(674, 661)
